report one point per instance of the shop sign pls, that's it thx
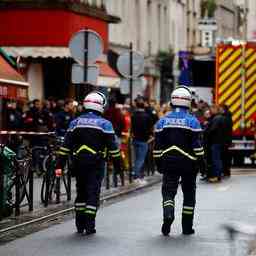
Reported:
(13, 92)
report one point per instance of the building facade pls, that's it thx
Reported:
(227, 19)
(249, 28)
(40, 39)
(193, 16)
(153, 26)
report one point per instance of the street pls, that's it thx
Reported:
(132, 226)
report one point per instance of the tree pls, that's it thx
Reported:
(208, 8)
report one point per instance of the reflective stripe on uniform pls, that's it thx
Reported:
(114, 151)
(187, 212)
(80, 209)
(157, 153)
(80, 204)
(61, 153)
(199, 153)
(90, 212)
(199, 149)
(179, 150)
(188, 208)
(168, 203)
(91, 207)
(116, 155)
(85, 147)
(64, 149)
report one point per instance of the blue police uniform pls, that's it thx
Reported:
(88, 138)
(178, 147)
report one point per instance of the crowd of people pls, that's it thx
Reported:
(55, 116)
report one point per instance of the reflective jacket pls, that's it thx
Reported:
(89, 136)
(177, 137)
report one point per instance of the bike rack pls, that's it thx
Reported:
(29, 193)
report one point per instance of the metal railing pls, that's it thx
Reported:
(22, 176)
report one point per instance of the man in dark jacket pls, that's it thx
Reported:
(226, 156)
(142, 129)
(64, 118)
(216, 138)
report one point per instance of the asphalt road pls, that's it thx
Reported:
(131, 227)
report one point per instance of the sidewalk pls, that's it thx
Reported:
(41, 211)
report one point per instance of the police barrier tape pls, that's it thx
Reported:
(26, 133)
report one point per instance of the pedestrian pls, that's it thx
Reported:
(178, 147)
(151, 110)
(226, 154)
(14, 117)
(87, 138)
(216, 138)
(142, 128)
(63, 118)
(114, 115)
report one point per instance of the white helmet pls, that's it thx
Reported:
(181, 97)
(95, 101)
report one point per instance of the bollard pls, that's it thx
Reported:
(17, 193)
(31, 189)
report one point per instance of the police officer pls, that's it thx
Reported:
(87, 138)
(177, 150)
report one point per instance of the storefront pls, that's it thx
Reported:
(44, 53)
(13, 87)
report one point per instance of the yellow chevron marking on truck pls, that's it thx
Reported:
(233, 77)
(234, 99)
(229, 92)
(236, 125)
(249, 103)
(250, 81)
(225, 54)
(250, 60)
(249, 52)
(251, 70)
(230, 60)
(230, 70)
(250, 112)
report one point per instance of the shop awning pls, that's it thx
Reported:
(12, 84)
(108, 77)
(38, 52)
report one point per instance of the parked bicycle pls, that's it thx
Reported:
(51, 184)
(15, 176)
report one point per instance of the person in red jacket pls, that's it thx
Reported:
(114, 115)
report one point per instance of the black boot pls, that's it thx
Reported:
(188, 232)
(80, 222)
(187, 225)
(90, 225)
(166, 227)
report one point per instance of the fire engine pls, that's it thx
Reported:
(236, 88)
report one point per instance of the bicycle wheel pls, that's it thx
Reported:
(48, 180)
(47, 188)
(24, 167)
